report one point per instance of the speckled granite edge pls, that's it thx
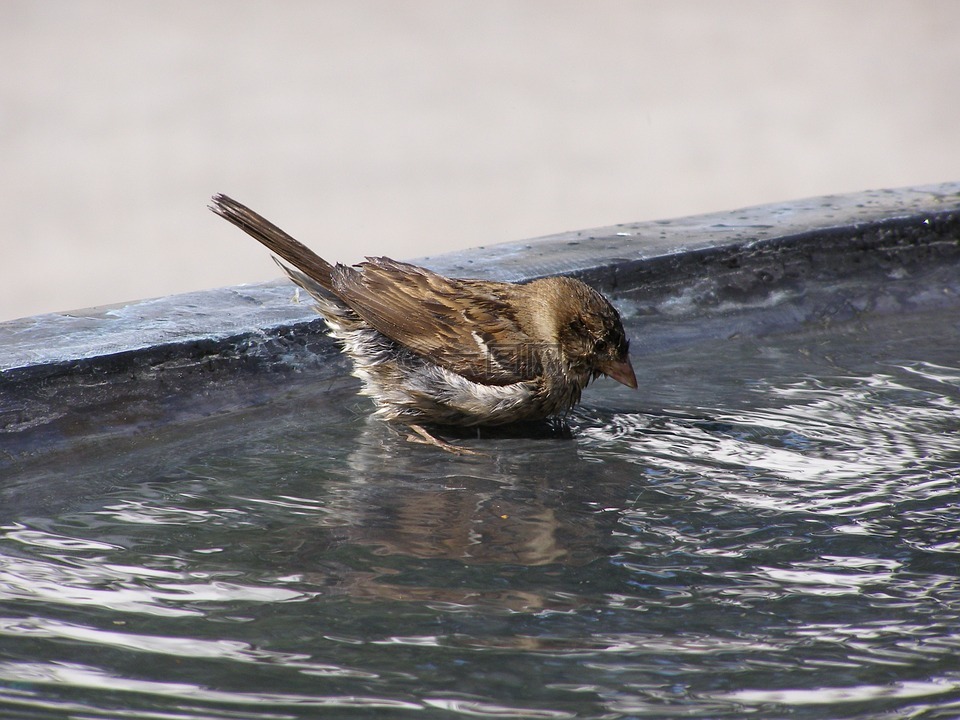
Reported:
(195, 322)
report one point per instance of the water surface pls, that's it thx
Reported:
(768, 529)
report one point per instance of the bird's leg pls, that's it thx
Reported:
(425, 438)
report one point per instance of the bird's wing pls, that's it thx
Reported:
(466, 326)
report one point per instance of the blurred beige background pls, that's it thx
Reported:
(415, 127)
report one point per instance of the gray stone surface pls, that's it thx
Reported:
(60, 339)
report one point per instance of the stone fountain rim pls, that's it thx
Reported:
(64, 342)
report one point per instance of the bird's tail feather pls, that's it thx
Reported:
(276, 240)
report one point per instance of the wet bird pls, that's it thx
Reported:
(443, 351)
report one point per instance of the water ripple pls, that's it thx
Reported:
(76, 675)
(95, 583)
(848, 694)
(854, 448)
(179, 647)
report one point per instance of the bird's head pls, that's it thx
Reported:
(586, 330)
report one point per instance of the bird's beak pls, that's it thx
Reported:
(621, 371)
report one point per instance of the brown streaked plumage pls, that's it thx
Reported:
(447, 351)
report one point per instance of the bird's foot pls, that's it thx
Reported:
(423, 437)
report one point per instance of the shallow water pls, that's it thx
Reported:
(769, 529)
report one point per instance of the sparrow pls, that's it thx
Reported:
(447, 351)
